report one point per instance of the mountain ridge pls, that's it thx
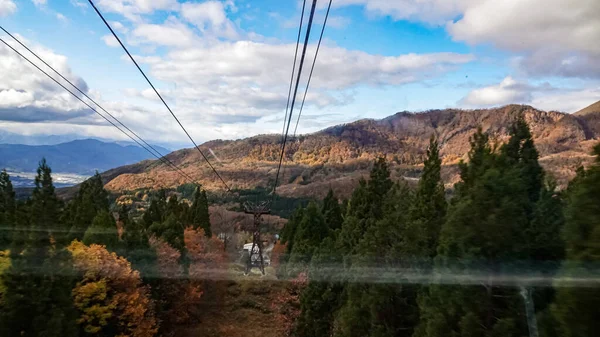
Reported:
(82, 156)
(338, 156)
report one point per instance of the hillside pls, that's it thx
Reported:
(336, 157)
(79, 156)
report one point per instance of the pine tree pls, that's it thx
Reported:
(369, 234)
(428, 209)
(575, 309)
(545, 241)
(332, 211)
(311, 231)
(136, 244)
(90, 200)
(170, 231)
(365, 207)
(322, 297)
(379, 184)
(289, 231)
(38, 283)
(200, 217)
(7, 210)
(489, 220)
(103, 231)
(156, 211)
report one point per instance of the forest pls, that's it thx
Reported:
(504, 253)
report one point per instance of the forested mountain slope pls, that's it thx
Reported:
(336, 157)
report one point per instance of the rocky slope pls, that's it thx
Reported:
(336, 157)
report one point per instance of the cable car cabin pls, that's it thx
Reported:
(255, 256)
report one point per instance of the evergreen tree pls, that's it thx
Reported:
(545, 242)
(379, 184)
(136, 244)
(90, 200)
(520, 154)
(332, 211)
(383, 309)
(156, 211)
(289, 230)
(322, 297)
(364, 208)
(489, 220)
(38, 283)
(429, 206)
(575, 309)
(311, 231)
(7, 210)
(200, 217)
(103, 231)
(170, 231)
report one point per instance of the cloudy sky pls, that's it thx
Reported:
(224, 66)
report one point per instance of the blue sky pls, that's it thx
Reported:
(224, 66)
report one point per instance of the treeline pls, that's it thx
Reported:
(84, 269)
(400, 261)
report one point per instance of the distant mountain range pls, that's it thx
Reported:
(78, 157)
(338, 156)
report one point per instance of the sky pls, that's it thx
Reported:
(224, 67)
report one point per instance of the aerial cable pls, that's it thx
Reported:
(293, 71)
(87, 104)
(310, 20)
(312, 68)
(162, 158)
(159, 95)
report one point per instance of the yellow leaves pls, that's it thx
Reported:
(90, 300)
(111, 290)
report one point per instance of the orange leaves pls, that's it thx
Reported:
(276, 254)
(287, 305)
(167, 259)
(110, 293)
(177, 296)
(206, 255)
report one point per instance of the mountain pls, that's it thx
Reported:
(7, 137)
(338, 156)
(82, 157)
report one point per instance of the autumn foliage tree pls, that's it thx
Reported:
(110, 297)
(206, 258)
(287, 305)
(175, 295)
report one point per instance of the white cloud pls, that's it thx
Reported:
(7, 7)
(542, 96)
(132, 9)
(245, 63)
(110, 40)
(430, 11)
(172, 33)
(209, 17)
(568, 101)
(78, 4)
(39, 3)
(552, 37)
(119, 27)
(61, 17)
(507, 91)
(519, 25)
(15, 98)
(555, 37)
(29, 95)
